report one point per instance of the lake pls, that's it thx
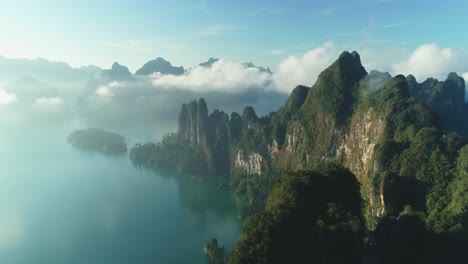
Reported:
(59, 204)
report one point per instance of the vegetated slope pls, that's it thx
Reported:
(402, 140)
(98, 140)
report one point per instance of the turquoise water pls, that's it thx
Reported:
(62, 205)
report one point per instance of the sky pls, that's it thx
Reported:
(189, 32)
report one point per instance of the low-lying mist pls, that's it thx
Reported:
(116, 98)
(43, 92)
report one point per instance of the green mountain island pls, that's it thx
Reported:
(98, 140)
(358, 168)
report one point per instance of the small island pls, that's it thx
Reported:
(98, 140)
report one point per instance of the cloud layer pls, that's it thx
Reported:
(223, 75)
(304, 69)
(427, 60)
(430, 60)
(226, 85)
(6, 98)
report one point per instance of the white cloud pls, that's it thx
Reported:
(12, 231)
(278, 51)
(223, 75)
(216, 29)
(6, 98)
(104, 91)
(327, 11)
(399, 24)
(465, 76)
(430, 60)
(304, 69)
(49, 101)
(107, 90)
(382, 60)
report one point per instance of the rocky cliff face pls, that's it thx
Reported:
(193, 119)
(249, 164)
(357, 152)
(361, 121)
(211, 132)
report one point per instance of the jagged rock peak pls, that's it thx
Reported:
(351, 59)
(193, 120)
(346, 69)
(297, 97)
(397, 86)
(411, 78)
(119, 68)
(356, 56)
(209, 62)
(400, 78)
(453, 75)
(261, 69)
(159, 65)
(456, 80)
(346, 54)
(376, 80)
(413, 85)
(117, 72)
(249, 117)
(336, 89)
(454, 88)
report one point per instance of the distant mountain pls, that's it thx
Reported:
(30, 89)
(209, 62)
(403, 145)
(91, 69)
(212, 60)
(159, 65)
(251, 65)
(445, 98)
(49, 71)
(117, 73)
(376, 80)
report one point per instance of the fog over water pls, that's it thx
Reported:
(64, 205)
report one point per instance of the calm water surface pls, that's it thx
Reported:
(62, 205)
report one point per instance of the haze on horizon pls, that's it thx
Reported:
(132, 131)
(385, 32)
(296, 41)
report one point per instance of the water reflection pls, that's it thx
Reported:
(62, 205)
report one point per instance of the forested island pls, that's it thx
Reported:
(98, 140)
(359, 168)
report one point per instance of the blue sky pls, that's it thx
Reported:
(188, 32)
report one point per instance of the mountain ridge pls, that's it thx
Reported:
(159, 65)
(392, 139)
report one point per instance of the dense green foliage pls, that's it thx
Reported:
(403, 140)
(98, 140)
(214, 253)
(417, 160)
(315, 217)
(254, 189)
(457, 208)
(446, 99)
(310, 217)
(171, 153)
